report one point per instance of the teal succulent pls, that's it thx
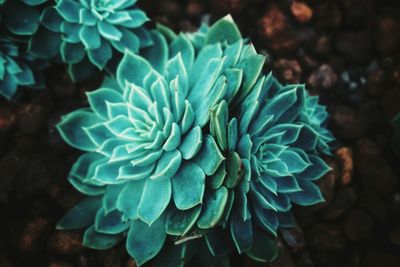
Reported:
(21, 17)
(192, 153)
(18, 69)
(88, 33)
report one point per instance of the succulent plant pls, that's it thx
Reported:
(21, 17)
(18, 69)
(192, 149)
(88, 33)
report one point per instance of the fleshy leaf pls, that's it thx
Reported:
(82, 215)
(144, 242)
(188, 186)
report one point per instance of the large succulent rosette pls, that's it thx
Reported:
(18, 69)
(88, 33)
(192, 153)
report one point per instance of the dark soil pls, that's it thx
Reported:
(346, 51)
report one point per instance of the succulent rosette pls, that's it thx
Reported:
(21, 17)
(192, 149)
(18, 69)
(88, 33)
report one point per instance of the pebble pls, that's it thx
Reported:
(356, 47)
(328, 16)
(287, 70)
(345, 199)
(301, 11)
(325, 237)
(111, 257)
(372, 169)
(65, 242)
(324, 77)
(347, 123)
(33, 236)
(387, 35)
(377, 82)
(229, 6)
(345, 158)
(275, 33)
(374, 204)
(20, 168)
(358, 225)
(390, 103)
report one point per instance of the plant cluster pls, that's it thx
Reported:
(191, 153)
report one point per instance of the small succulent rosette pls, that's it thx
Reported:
(18, 69)
(21, 18)
(192, 153)
(88, 34)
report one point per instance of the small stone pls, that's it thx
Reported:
(65, 242)
(272, 24)
(20, 168)
(322, 47)
(325, 237)
(394, 236)
(328, 16)
(111, 257)
(345, 158)
(387, 35)
(390, 103)
(294, 238)
(324, 77)
(61, 85)
(346, 123)
(344, 200)
(356, 47)
(8, 119)
(194, 8)
(372, 169)
(169, 8)
(358, 225)
(374, 204)
(377, 82)
(274, 31)
(32, 118)
(229, 6)
(287, 70)
(32, 238)
(301, 11)
(83, 261)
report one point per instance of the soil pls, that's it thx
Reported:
(345, 51)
